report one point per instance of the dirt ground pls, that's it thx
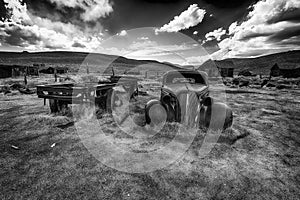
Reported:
(42, 156)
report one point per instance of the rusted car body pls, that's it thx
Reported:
(99, 94)
(185, 99)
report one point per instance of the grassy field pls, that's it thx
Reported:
(42, 156)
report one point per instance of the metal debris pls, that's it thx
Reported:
(15, 147)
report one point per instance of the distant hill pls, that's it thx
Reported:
(259, 65)
(74, 60)
(98, 62)
(25, 58)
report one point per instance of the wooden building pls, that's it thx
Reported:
(275, 70)
(285, 70)
(246, 72)
(225, 67)
(8, 71)
(61, 70)
(226, 72)
(49, 70)
(52, 70)
(290, 73)
(5, 71)
(32, 70)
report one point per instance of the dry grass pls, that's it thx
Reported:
(258, 158)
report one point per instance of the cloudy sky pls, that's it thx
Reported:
(179, 31)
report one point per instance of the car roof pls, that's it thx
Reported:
(202, 73)
(186, 71)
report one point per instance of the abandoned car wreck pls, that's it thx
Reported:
(184, 99)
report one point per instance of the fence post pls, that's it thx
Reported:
(25, 79)
(55, 75)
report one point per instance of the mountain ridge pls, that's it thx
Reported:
(259, 65)
(76, 59)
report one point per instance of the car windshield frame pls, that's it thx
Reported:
(196, 76)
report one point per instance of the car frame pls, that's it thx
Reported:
(188, 102)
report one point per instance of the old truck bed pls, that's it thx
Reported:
(60, 95)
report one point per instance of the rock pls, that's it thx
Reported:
(244, 83)
(142, 93)
(246, 73)
(7, 92)
(283, 86)
(265, 82)
(270, 85)
(16, 86)
(255, 86)
(2, 88)
(5, 89)
(26, 91)
(15, 147)
(12, 93)
(236, 81)
(270, 112)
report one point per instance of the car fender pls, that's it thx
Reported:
(159, 114)
(216, 116)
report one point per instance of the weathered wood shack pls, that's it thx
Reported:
(5, 71)
(52, 70)
(246, 72)
(61, 70)
(32, 70)
(8, 71)
(226, 68)
(286, 71)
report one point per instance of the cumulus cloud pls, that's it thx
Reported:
(216, 34)
(145, 48)
(188, 18)
(148, 44)
(31, 32)
(143, 38)
(196, 60)
(18, 11)
(122, 33)
(140, 50)
(232, 28)
(93, 9)
(17, 36)
(268, 28)
(77, 44)
(145, 44)
(148, 53)
(292, 15)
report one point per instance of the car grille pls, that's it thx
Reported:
(190, 108)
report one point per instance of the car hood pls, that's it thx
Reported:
(178, 88)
